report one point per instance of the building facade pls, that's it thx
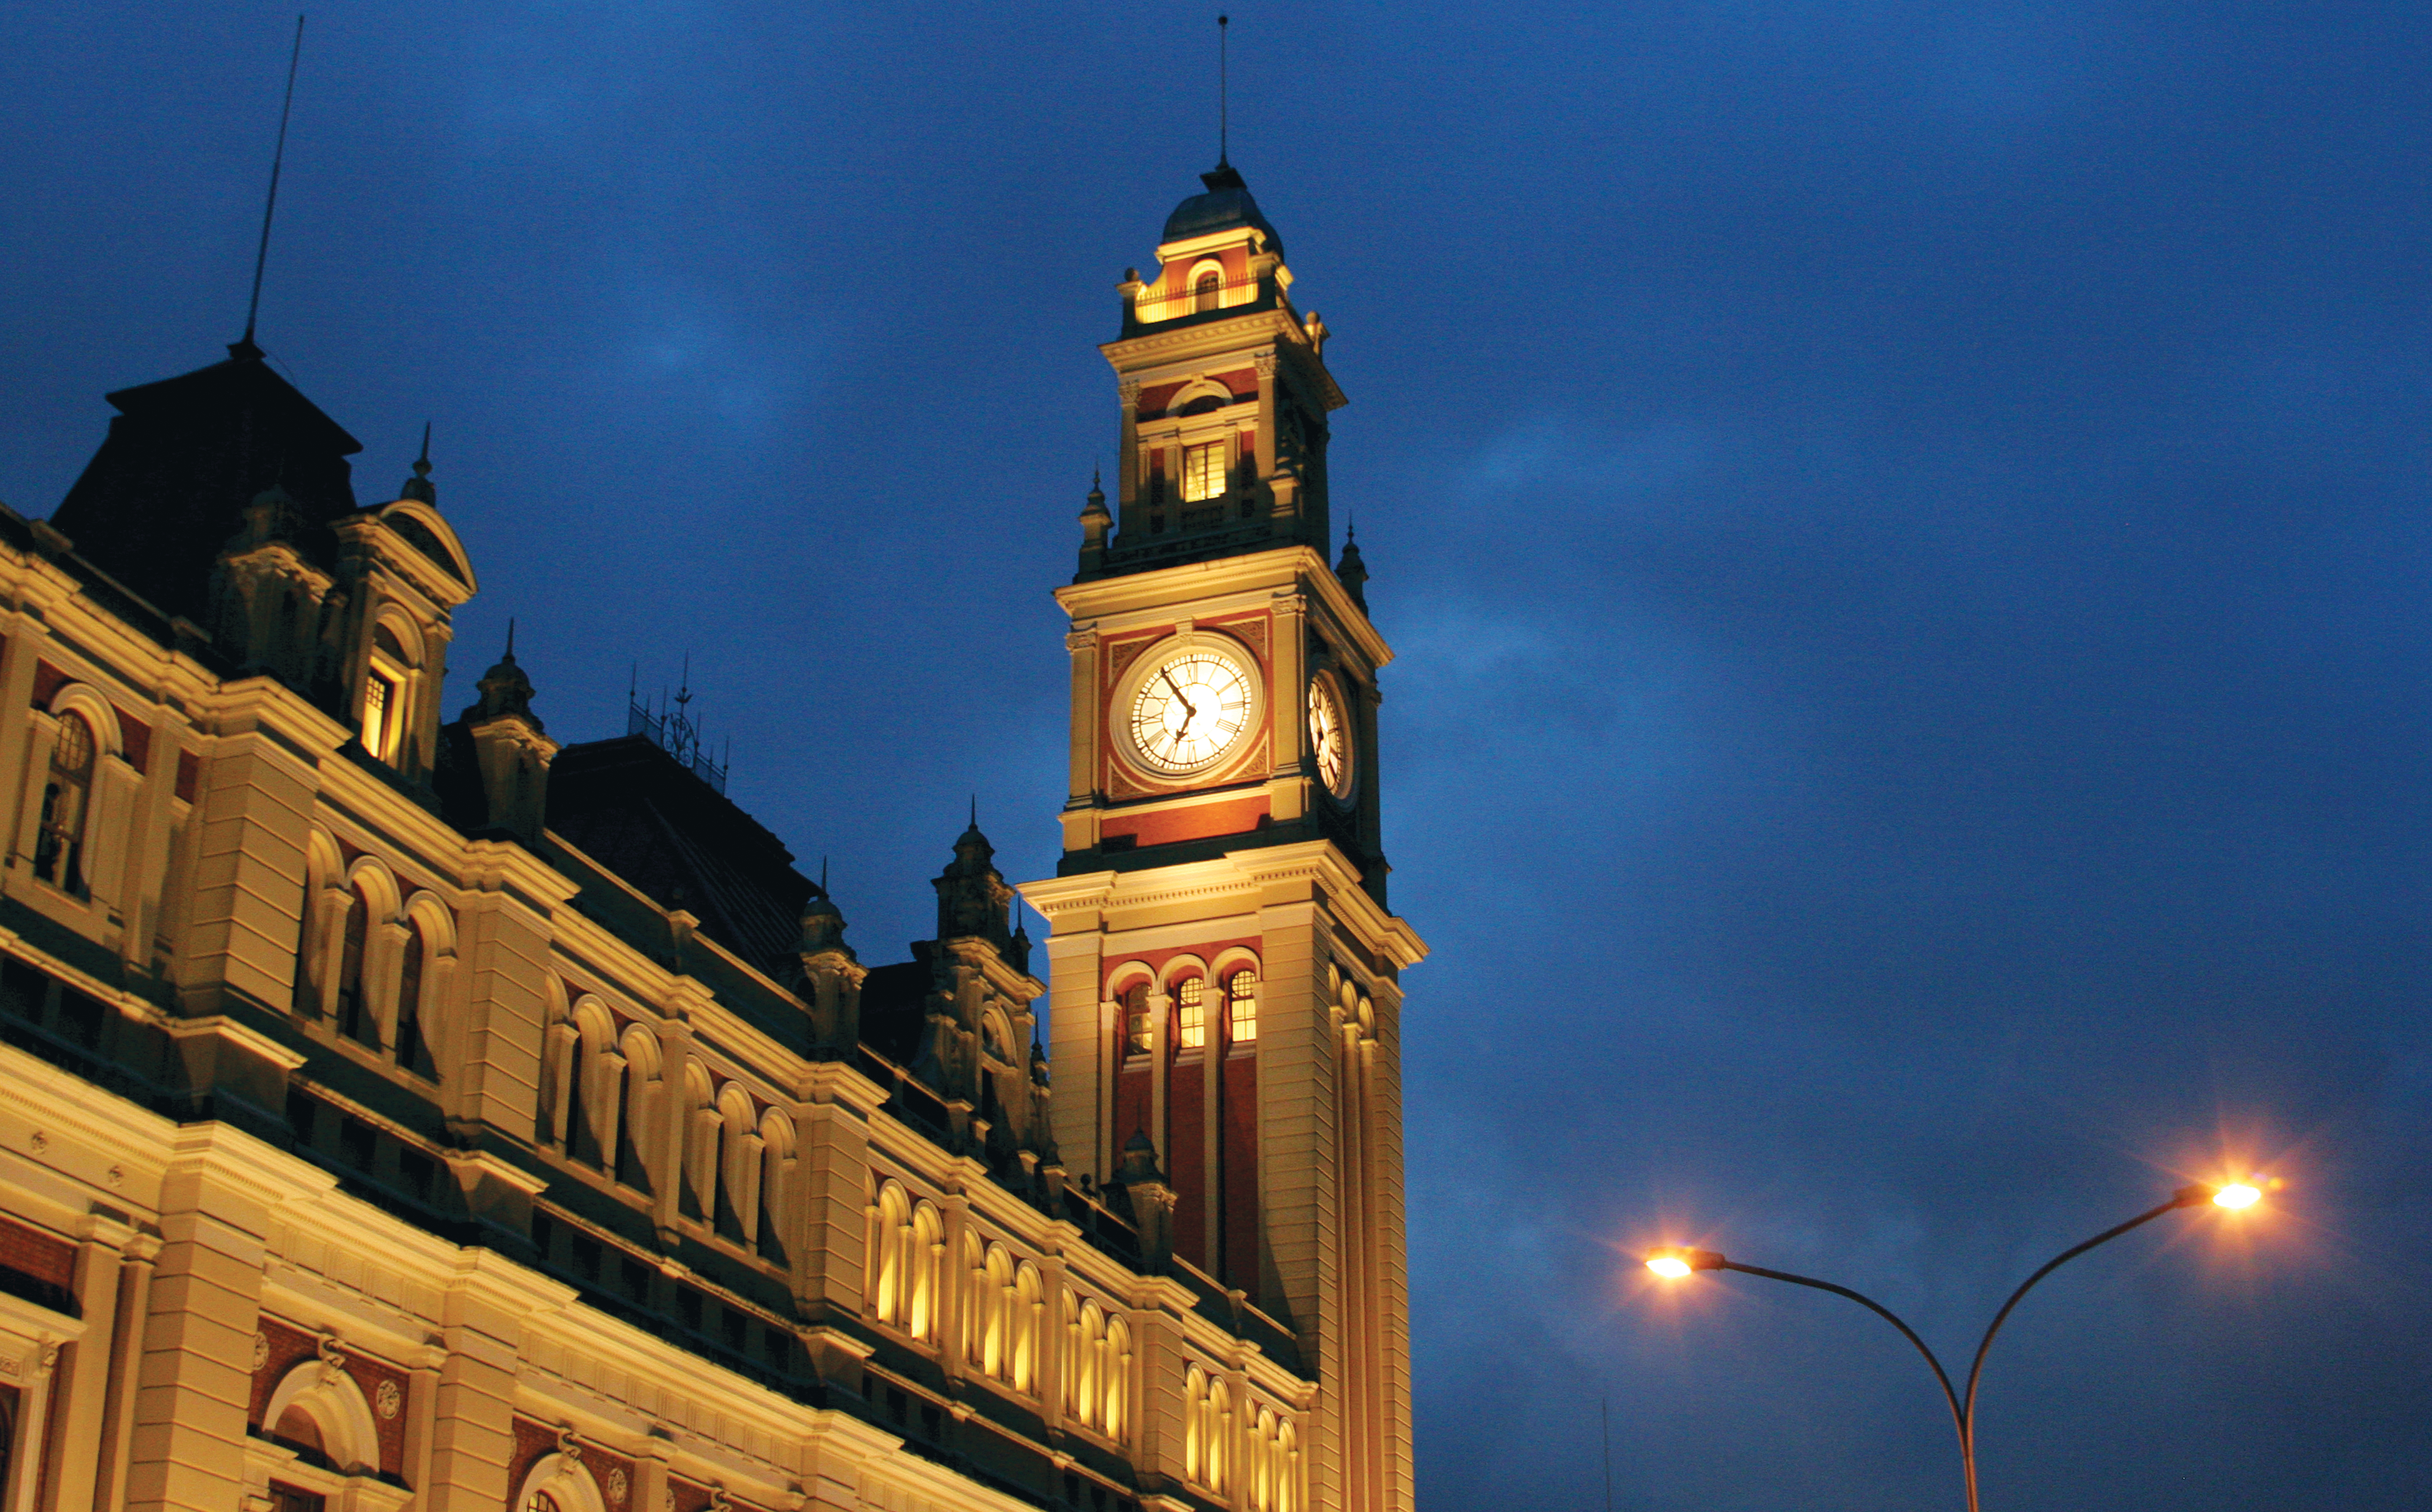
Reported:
(407, 1111)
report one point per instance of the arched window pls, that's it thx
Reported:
(1194, 1424)
(921, 1316)
(1089, 1387)
(541, 1501)
(354, 1014)
(1137, 1034)
(386, 685)
(58, 850)
(1220, 1428)
(1027, 1298)
(890, 1274)
(1191, 1015)
(1205, 289)
(1241, 1006)
(1118, 1376)
(776, 1182)
(410, 1052)
(997, 1331)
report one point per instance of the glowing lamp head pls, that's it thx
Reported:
(1673, 1261)
(2237, 1194)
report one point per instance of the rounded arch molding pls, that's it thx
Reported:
(323, 1391)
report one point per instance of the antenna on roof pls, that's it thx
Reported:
(1223, 103)
(270, 203)
(683, 689)
(511, 638)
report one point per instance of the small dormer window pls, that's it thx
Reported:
(1203, 472)
(384, 685)
(1205, 291)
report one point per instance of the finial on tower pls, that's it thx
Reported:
(419, 486)
(242, 346)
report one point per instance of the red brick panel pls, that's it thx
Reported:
(36, 1254)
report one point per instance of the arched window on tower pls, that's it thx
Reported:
(58, 850)
(1137, 1032)
(1191, 1015)
(1242, 1007)
(1205, 291)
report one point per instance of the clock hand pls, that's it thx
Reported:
(1189, 712)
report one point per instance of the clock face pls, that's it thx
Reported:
(1189, 708)
(1329, 738)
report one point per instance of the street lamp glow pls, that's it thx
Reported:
(1667, 1264)
(2237, 1194)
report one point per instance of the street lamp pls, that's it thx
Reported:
(1678, 1262)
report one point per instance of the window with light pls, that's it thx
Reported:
(1203, 471)
(1191, 1016)
(1241, 1004)
(1206, 291)
(384, 685)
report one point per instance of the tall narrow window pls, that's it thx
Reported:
(1205, 292)
(1191, 1016)
(354, 1017)
(1241, 1005)
(384, 701)
(411, 1053)
(58, 850)
(1203, 472)
(1137, 1032)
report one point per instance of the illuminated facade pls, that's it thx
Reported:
(406, 1111)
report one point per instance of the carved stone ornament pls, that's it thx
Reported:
(667, 1498)
(1122, 656)
(261, 1350)
(388, 1401)
(567, 1444)
(41, 1141)
(617, 1486)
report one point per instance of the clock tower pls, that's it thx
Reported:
(1224, 973)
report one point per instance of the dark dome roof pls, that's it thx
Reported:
(1227, 205)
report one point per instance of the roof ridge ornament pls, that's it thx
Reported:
(419, 487)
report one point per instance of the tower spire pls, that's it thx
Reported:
(1224, 94)
(243, 347)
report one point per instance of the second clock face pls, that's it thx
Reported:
(1329, 738)
(1190, 710)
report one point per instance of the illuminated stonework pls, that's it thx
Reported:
(406, 1111)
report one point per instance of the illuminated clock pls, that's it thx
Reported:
(1188, 707)
(1329, 738)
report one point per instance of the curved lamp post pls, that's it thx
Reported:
(1674, 1263)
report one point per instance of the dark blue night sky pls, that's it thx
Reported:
(1905, 526)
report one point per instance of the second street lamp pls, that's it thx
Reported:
(1675, 1263)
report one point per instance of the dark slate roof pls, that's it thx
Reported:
(184, 457)
(894, 1009)
(644, 815)
(1227, 204)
